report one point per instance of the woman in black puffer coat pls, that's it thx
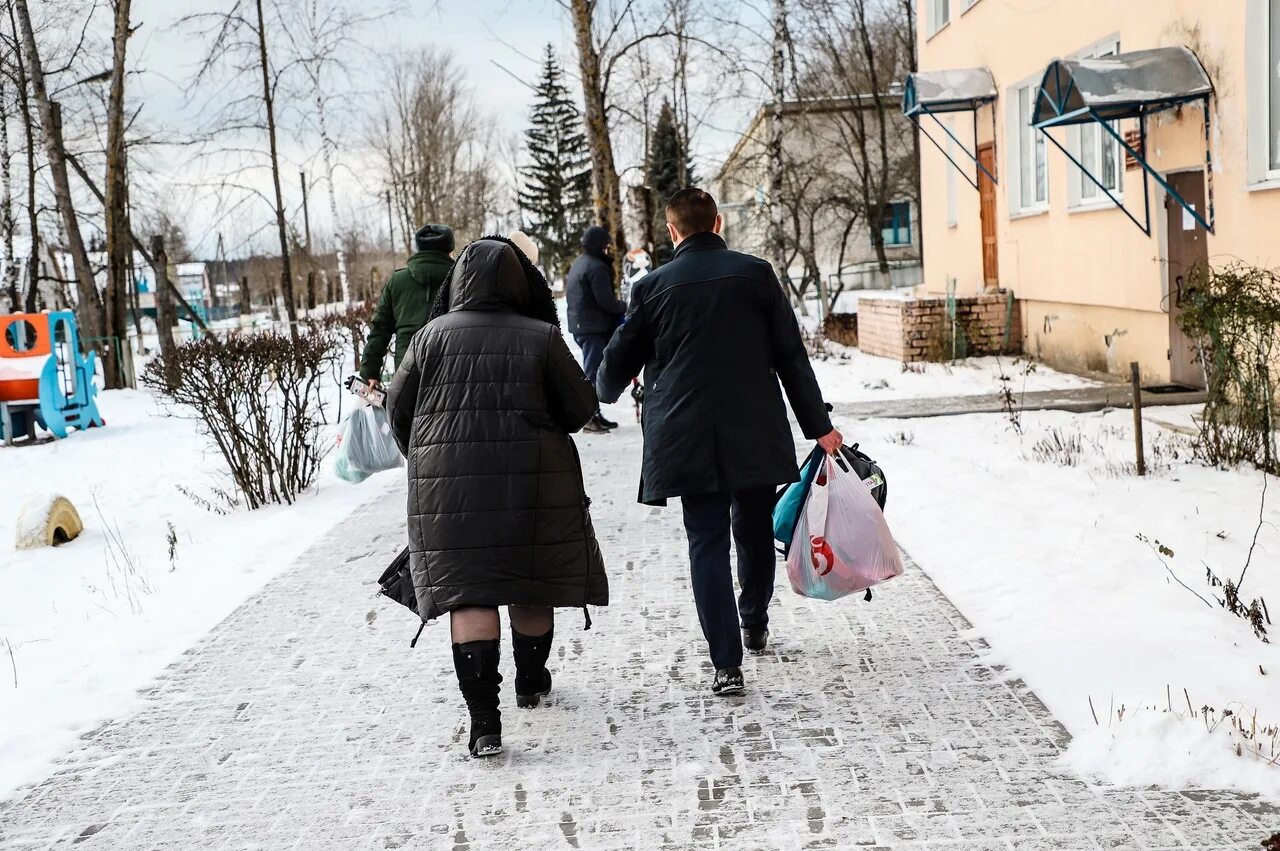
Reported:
(482, 407)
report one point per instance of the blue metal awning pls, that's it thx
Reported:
(935, 93)
(1127, 86)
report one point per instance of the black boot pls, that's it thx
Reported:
(607, 423)
(476, 663)
(533, 680)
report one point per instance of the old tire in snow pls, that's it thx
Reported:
(47, 522)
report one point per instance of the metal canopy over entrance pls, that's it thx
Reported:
(1127, 86)
(934, 93)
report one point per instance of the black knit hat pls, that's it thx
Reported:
(434, 238)
(594, 240)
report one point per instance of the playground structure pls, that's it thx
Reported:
(44, 379)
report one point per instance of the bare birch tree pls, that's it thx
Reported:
(238, 47)
(88, 303)
(323, 37)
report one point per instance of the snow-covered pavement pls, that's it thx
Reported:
(304, 721)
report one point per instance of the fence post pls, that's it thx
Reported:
(164, 307)
(1137, 417)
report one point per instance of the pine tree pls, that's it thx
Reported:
(556, 191)
(668, 171)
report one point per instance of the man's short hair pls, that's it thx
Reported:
(692, 211)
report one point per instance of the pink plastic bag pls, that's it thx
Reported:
(842, 544)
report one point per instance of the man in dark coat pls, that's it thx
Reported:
(482, 407)
(406, 299)
(594, 308)
(715, 335)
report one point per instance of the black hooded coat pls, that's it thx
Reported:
(482, 407)
(594, 308)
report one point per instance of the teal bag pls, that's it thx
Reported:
(786, 511)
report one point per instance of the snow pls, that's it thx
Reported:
(849, 375)
(32, 518)
(1046, 562)
(1043, 559)
(87, 624)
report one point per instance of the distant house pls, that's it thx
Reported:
(831, 209)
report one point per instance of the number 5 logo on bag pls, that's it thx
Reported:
(821, 554)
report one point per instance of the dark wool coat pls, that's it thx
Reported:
(715, 335)
(403, 308)
(593, 307)
(482, 407)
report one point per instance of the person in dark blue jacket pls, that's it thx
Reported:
(594, 308)
(715, 336)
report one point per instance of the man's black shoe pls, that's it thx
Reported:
(608, 424)
(755, 640)
(594, 426)
(728, 681)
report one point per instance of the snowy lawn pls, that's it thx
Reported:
(849, 375)
(84, 626)
(1045, 560)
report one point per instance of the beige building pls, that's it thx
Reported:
(825, 194)
(1128, 142)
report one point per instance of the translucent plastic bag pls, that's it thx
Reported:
(366, 445)
(842, 544)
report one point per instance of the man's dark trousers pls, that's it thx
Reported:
(592, 346)
(708, 519)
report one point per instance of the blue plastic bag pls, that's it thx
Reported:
(786, 511)
(366, 445)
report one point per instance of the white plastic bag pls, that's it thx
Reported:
(366, 445)
(842, 544)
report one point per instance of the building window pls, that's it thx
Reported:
(1262, 52)
(896, 226)
(1099, 151)
(939, 14)
(1032, 170)
(1273, 86)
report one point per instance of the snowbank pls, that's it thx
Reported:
(853, 376)
(1046, 562)
(85, 625)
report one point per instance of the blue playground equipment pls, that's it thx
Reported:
(44, 378)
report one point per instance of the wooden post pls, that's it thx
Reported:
(1137, 418)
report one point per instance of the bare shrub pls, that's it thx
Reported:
(902, 437)
(258, 397)
(1065, 449)
(351, 326)
(1234, 314)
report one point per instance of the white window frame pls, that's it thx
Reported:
(1025, 144)
(1262, 56)
(1091, 144)
(939, 15)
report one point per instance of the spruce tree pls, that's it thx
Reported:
(668, 171)
(555, 194)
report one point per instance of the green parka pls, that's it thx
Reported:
(403, 308)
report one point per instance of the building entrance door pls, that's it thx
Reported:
(987, 198)
(1188, 253)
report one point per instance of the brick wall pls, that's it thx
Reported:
(918, 329)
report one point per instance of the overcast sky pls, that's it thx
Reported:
(479, 32)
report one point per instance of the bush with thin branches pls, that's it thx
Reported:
(259, 398)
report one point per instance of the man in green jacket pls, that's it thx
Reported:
(406, 300)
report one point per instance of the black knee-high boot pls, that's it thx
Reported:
(533, 680)
(476, 663)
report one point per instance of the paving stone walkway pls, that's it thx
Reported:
(305, 722)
